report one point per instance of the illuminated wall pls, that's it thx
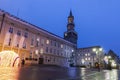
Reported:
(87, 57)
(33, 43)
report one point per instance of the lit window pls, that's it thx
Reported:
(41, 50)
(61, 45)
(37, 42)
(36, 52)
(88, 54)
(89, 58)
(65, 34)
(94, 58)
(86, 59)
(38, 39)
(83, 61)
(85, 54)
(47, 42)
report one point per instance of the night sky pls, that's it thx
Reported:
(96, 21)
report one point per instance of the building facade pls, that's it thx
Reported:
(112, 60)
(32, 43)
(89, 56)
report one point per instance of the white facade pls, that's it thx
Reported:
(87, 57)
(32, 43)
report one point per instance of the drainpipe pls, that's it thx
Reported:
(3, 17)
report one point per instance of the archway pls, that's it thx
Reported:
(9, 59)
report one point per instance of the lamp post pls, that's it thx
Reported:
(72, 58)
(98, 53)
(109, 62)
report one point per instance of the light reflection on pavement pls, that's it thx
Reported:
(103, 75)
(9, 73)
(55, 73)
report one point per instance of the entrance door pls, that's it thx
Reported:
(40, 61)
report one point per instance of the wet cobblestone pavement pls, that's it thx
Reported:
(56, 73)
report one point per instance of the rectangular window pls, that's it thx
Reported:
(42, 42)
(50, 50)
(26, 35)
(58, 45)
(18, 33)
(47, 42)
(47, 49)
(61, 45)
(57, 52)
(32, 41)
(54, 43)
(41, 50)
(37, 43)
(54, 51)
(11, 30)
(51, 42)
(17, 43)
(24, 45)
(86, 54)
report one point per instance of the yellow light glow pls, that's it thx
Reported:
(100, 49)
(113, 64)
(41, 50)
(9, 59)
(94, 49)
(109, 57)
(47, 42)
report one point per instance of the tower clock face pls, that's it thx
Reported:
(70, 20)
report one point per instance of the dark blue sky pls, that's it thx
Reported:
(97, 21)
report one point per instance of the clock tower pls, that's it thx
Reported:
(71, 34)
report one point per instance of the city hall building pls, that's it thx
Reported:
(34, 44)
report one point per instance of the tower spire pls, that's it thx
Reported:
(71, 13)
(71, 34)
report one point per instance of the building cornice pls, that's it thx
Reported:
(33, 26)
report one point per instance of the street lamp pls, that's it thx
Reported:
(109, 62)
(72, 57)
(98, 52)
